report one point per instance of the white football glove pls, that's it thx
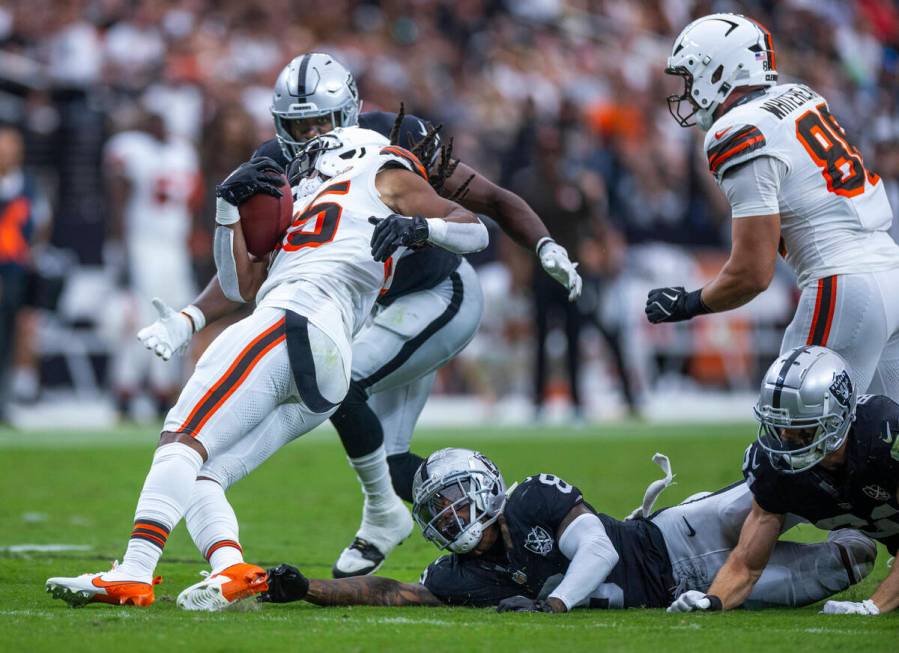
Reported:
(691, 601)
(554, 259)
(865, 607)
(168, 335)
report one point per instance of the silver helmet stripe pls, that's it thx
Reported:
(782, 376)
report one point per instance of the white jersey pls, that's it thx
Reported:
(164, 177)
(834, 212)
(323, 268)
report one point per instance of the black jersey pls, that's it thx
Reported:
(419, 269)
(860, 495)
(533, 513)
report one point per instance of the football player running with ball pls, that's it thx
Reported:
(539, 547)
(821, 454)
(428, 315)
(281, 371)
(796, 185)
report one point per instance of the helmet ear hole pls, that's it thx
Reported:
(716, 76)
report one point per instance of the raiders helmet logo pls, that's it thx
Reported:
(876, 492)
(539, 541)
(841, 388)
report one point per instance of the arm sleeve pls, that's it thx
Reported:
(592, 556)
(458, 237)
(752, 187)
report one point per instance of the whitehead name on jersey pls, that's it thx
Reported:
(324, 269)
(834, 212)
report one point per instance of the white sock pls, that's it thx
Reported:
(374, 476)
(212, 524)
(162, 502)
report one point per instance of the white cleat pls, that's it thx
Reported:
(78, 591)
(218, 591)
(373, 543)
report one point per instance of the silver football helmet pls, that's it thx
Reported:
(457, 493)
(312, 86)
(805, 408)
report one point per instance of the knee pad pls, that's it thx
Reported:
(857, 551)
(357, 425)
(402, 472)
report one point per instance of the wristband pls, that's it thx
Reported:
(196, 317)
(543, 241)
(436, 229)
(693, 304)
(225, 212)
(715, 604)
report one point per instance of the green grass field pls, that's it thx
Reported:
(303, 507)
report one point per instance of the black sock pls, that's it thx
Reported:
(357, 425)
(402, 472)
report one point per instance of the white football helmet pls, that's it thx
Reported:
(333, 154)
(714, 55)
(457, 493)
(808, 389)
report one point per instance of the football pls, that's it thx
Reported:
(265, 218)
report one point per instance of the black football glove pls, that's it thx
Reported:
(674, 304)
(523, 604)
(395, 231)
(285, 584)
(258, 175)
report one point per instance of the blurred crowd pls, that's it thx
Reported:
(559, 100)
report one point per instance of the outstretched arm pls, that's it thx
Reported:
(287, 584)
(518, 221)
(369, 590)
(511, 212)
(744, 565)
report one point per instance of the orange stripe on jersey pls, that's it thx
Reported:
(233, 377)
(825, 305)
(745, 140)
(403, 153)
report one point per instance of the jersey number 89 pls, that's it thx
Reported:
(840, 162)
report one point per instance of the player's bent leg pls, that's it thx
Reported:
(240, 378)
(166, 490)
(213, 527)
(210, 519)
(385, 520)
(802, 574)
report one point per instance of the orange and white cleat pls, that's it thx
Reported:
(80, 590)
(230, 585)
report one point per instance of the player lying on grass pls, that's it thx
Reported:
(281, 371)
(540, 547)
(823, 456)
(428, 315)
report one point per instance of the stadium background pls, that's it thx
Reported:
(560, 101)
